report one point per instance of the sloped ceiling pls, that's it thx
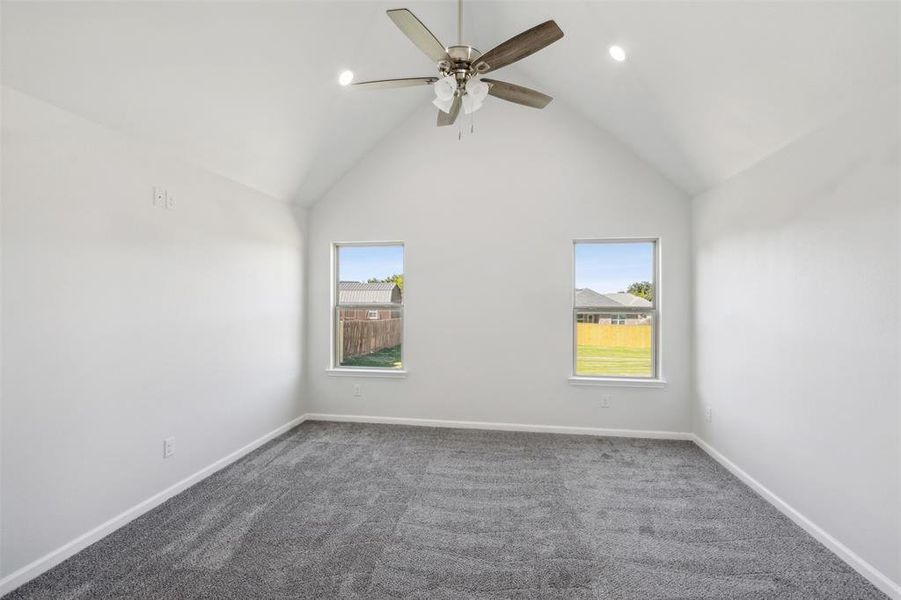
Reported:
(248, 90)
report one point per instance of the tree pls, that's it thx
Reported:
(643, 289)
(395, 279)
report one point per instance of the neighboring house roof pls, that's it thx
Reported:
(626, 299)
(355, 292)
(588, 298)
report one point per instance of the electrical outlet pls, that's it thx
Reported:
(168, 447)
(358, 390)
(708, 414)
(163, 198)
(159, 197)
(605, 401)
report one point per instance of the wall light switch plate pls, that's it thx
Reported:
(605, 401)
(170, 201)
(168, 447)
(358, 390)
(708, 414)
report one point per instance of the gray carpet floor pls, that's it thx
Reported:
(333, 510)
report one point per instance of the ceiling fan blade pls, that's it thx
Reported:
(394, 83)
(445, 119)
(517, 93)
(418, 33)
(518, 47)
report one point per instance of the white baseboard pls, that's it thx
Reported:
(871, 573)
(50, 560)
(631, 433)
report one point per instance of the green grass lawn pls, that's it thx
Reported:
(623, 362)
(385, 358)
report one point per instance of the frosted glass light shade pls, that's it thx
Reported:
(471, 104)
(445, 88)
(444, 105)
(477, 89)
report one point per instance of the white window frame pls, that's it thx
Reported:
(656, 379)
(336, 369)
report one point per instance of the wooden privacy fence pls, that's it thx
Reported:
(365, 337)
(616, 336)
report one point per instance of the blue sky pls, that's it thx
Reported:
(360, 263)
(611, 267)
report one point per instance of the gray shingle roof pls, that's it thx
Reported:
(588, 298)
(355, 292)
(626, 299)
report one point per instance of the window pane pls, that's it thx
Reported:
(615, 345)
(369, 331)
(363, 341)
(370, 264)
(614, 274)
(615, 309)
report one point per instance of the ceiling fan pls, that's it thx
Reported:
(460, 83)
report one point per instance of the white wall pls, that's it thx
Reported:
(125, 323)
(488, 224)
(797, 327)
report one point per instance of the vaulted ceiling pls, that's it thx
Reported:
(248, 90)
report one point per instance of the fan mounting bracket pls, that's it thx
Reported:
(463, 53)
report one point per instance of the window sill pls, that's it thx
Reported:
(377, 373)
(617, 382)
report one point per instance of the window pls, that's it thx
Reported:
(615, 309)
(369, 306)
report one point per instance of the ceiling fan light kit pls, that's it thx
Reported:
(459, 84)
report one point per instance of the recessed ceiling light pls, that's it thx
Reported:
(345, 77)
(617, 53)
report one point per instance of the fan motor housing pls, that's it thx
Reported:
(459, 61)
